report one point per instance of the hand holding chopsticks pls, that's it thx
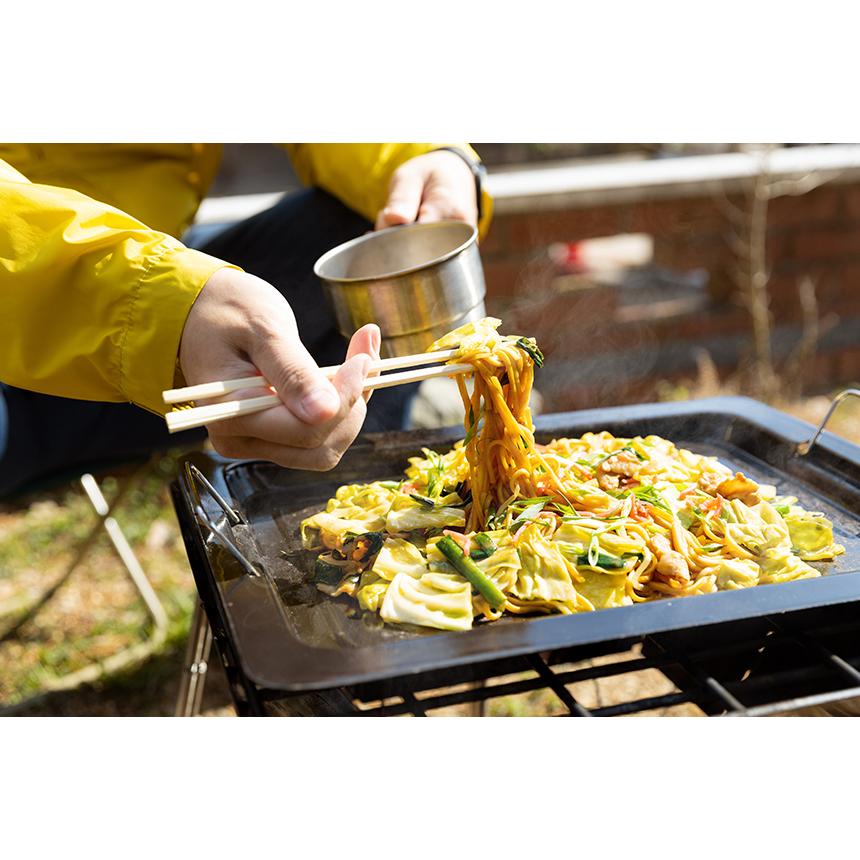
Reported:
(199, 416)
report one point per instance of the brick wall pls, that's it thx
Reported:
(598, 357)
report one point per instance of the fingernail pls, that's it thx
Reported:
(376, 340)
(320, 404)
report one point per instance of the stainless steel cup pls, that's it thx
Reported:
(417, 282)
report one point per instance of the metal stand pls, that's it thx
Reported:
(196, 665)
(133, 568)
(200, 637)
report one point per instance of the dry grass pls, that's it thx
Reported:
(97, 612)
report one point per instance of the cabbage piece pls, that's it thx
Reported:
(453, 465)
(327, 530)
(369, 497)
(371, 591)
(811, 536)
(784, 567)
(603, 590)
(733, 573)
(501, 566)
(574, 541)
(577, 534)
(480, 329)
(758, 528)
(544, 573)
(407, 514)
(436, 600)
(399, 556)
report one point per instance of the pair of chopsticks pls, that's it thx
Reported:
(185, 419)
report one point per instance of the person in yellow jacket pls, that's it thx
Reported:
(101, 301)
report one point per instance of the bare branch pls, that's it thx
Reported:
(738, 246)
(734, 213)
(803, 185)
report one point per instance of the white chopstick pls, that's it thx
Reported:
(186, 419)
(226, 386)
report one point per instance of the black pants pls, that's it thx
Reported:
(46, 436)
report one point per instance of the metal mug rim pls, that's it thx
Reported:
(368, 237)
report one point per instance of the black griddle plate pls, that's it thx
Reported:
(287, 636)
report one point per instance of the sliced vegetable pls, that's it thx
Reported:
(363, 547)
(607, 561)
(468, 569)
(484, 547)
(529, 347)
(527, 515)
(652, 497)
(326, 573)
(436, 600)
(593, 551)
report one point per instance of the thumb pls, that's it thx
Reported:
(298, 381)
(366, 340)
(404, 198)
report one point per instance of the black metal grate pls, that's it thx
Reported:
(772, 665)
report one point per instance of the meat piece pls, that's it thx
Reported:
(616, 471)
(607, 482)
(670, 563)
(740, 487)
(709, 481)
(620, 464)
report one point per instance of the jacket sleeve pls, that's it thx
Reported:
(359, 173)
(92, 302)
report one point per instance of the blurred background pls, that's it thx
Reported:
(645, 271)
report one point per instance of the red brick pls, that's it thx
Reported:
(565, 323)
(512, 276)
(502, 276)
(496, 239)
(848, 366)
(702, 251)
(824, 368)
(834, 243)
(779, 248)
(851, 201)
(822, 204)
(538, 229)
(677, 217)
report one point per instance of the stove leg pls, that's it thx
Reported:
(478, 708)
(196, 664)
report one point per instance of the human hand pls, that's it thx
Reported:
(241, 325)
(431, 187)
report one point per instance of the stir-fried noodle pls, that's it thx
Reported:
(502, 524)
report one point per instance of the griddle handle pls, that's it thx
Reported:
(193, 475)
(203, 520)
(805, 447)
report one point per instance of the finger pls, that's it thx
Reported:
(432, 210)
(297, 379)
(317, 459)
(280, 427)
(404, 198)
(350, 377)
(367, 339)
(439, 205)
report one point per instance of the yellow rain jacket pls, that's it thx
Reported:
(94, 285)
